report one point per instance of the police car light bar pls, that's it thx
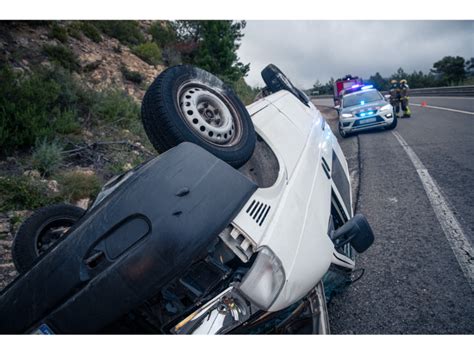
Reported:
(367, 87)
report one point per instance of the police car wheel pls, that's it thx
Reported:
(344, 134)
(393, 124)
(188, 104)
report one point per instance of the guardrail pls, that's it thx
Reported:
(466, 90)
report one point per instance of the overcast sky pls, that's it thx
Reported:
(311, 50)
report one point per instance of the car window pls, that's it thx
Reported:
(361, 98)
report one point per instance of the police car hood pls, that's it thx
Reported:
(374, 105)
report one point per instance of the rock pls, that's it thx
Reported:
(19, 214)
(4, 226)
(32, 174)
(87, 133)
(53, 186)
(127, 166)
(83, 203)
(85, 171)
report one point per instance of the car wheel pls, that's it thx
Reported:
(344, 134)
(393, 124)
(276, 81)
(39, 232)
(186, 103)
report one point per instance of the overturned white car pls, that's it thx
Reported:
(242, 225)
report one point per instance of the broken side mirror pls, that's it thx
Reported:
(356, 231)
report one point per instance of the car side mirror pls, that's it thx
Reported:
(387, 97)
(356, 231)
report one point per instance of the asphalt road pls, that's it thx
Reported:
(413, 282)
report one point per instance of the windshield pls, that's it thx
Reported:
(361, 98)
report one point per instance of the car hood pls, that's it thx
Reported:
(375, 105)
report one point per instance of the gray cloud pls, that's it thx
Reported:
(311, 50)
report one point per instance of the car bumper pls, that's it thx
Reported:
(356, 124)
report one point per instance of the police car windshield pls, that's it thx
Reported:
(361, 98)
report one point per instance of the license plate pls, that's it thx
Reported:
(368, 120)
(43, 329)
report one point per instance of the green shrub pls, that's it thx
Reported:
(244, 91)
(149, 52)
(58, 32)
(90, 31)
(127, 32)
(163, 35)
(75, 185)
(47, 156)
(39, 106)
(115, 106)
(133, 76)
(74, 29)
(62, 55)
(171, 56)
(20, 193)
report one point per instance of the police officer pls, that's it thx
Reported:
(395, 96)
(404, 98)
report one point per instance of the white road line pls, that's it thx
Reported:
(445, 108)
(451, 227)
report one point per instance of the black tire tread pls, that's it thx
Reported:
(162, 132)
(23, 249)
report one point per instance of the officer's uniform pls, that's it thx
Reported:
(404, 98)
(395, 96)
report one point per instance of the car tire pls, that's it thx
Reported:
(393, 124)
(39, 232)
(188, 104)
(276, 81)
(342, 133)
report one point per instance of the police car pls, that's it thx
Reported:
(363, 107)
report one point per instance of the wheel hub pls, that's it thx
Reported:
(208, 114)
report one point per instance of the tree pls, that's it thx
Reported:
(211, 45)
(399, 75)
(470, 67)
(217, 50)
(163, 33)
(416, 79)
(316, 89)
(379, 82)
(451, 70)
